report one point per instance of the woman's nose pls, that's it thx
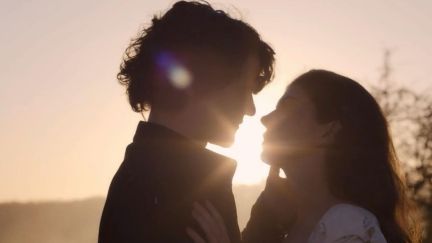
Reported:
(265, 120)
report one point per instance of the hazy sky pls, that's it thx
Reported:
(65, 121)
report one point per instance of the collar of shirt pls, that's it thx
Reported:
(179, 156)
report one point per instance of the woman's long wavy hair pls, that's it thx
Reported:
(362, 166)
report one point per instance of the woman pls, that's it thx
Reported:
(330, 137)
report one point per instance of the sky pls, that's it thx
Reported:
(65, 121)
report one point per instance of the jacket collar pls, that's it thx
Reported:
(173, 142)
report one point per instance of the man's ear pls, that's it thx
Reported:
(331, 129)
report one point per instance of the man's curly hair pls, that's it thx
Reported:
(190, 25)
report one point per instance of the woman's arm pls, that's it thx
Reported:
(270, 218)
(272, 214)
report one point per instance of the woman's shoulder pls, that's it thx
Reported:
(344, 213)
(348, 223)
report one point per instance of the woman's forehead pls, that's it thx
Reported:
(295, 96)
(293, 93)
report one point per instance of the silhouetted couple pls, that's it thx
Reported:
(195, 69)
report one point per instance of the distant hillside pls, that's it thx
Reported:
(51, 222)
(77, 221)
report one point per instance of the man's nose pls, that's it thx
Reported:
(250, 107)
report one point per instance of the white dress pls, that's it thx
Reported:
(347, 223)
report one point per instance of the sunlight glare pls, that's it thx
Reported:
(246, 150)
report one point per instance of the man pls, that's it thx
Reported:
(195, 68)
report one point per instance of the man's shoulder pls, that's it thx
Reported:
(219, 165)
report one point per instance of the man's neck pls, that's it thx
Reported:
(177, 123)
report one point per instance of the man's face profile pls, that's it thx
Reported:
(226, 106)
(195, 69)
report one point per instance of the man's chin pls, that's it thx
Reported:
(225, 142)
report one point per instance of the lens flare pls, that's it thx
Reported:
(179, 77)
(173, 70)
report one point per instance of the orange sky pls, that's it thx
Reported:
(65, 122)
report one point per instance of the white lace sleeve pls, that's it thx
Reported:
(346, 223)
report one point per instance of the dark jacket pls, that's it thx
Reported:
(151, 195)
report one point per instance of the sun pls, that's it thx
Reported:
(246, 150)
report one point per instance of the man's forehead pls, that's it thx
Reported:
(252, 72)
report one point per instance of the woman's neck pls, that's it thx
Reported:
(313, 198)
(311, 207)
(313, 204)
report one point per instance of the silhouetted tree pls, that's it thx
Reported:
(409, 113)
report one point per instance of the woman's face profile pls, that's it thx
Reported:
(292, 128)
